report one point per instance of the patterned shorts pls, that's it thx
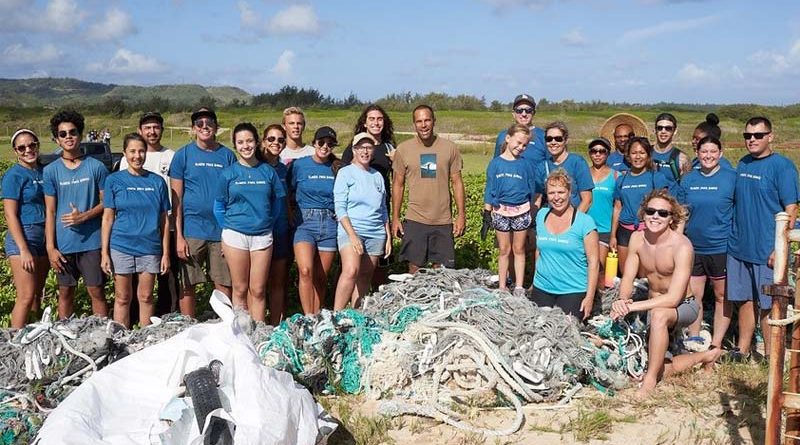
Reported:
(517, 223)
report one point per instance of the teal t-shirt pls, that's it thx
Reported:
(603, 202)
(562, 267)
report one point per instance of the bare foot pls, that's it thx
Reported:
(646, 388)
(710, 358)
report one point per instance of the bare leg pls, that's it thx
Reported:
(144, 294)
(99, 306)
(351, 264)
(518, 248)
(747, 326)
(722, 313)
(661, 320)
(765, 331)
(685, 362)
(256, 297)
(239, 266)
(324, 261)
(305, 254)
(503, 257)
(368, 265)
(187, 302)
(698, 287)
(623, 255)
(66, 301)
(123, 292)
(278, 273)
(25, 284)
(412, 268)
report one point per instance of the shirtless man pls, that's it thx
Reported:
(664, 256)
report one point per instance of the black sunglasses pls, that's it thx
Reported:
(73, 132)
(523, 110)
(664, 128)
(32, 146)
(273, 138)
(649, 211)
(759, 135)
(595, 151)
(554, 138)
(200, 123)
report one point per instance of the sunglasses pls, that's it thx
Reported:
(273, 139)
(597, 151)
(620, 136)
(71, 132)
(554, 138)
(200, 123)
(758, 136)
(330, 144)
(364, 147)
(664, 128)
(523, 110)
(32, 146)
(649, 211)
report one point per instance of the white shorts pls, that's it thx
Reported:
(241, 241)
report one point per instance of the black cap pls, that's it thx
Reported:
(204, 112)
(325, 132)
(151, 116)
(601, 141)
(525, 98)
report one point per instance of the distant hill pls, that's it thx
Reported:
(54, 92)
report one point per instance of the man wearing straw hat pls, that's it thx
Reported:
(621, 128)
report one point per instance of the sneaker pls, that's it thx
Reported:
(736, 356)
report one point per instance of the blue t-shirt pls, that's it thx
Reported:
(631, 189)
(200, 171)
(312, 183)
(603, 202)
(24, 185)
(508, 182)
(360, 195)
(281, 211)
(723, 162)
(80, 187)
(661, 160)
(616, 160)
(562, 267)
(535, 152)
(764, 187)
(138, 203)
(249, 196)
(578, 171)
(710, 203)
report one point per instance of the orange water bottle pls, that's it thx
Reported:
(612, 264)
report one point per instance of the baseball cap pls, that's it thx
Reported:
(325, 132)
(600, 141)
(152, 116)
(525, 98)
(204, 112)
(363, 135)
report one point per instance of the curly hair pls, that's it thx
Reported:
(679, 212)
(387, 134)
(560, 177)
(70, 116)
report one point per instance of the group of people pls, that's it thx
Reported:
(240, 217)
(677, 222)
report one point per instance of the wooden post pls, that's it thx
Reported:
(772, 431)
(793, 415)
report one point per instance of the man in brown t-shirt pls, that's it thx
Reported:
(428, 164)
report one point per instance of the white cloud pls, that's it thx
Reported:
(114, 25)
(296, 19)
(283, 67)
(574, 38)
(60, 16)
(248, 17)
(692, 73)
(667, 27)
(18, 54)
(127, 62)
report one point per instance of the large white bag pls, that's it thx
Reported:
(124, 402)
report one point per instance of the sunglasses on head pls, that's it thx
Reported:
(200, 123)
(523, 110)
(71, 132)
(759, 135)
(280, 140)
(649, 211)
(554, 138)
(596, 151)
(664, 128)
(32, 146)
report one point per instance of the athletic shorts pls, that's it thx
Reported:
(281, 245)
(240, 241)
(372, 246)
(318, 227)
(203, 253)
(34, 236)
(605, 238)
(81, 264)
(624, 235)
(687, 311)
(713, 266)
(125, 264)
(569, 303)
(511, 223)
(746, 280)
(423, 243)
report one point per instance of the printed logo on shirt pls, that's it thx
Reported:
(704, 187)
(508, 175)
(750, 176)
(427, 165)
(74, 181)
(140, 189)
(208, 164)
(552, 239)
(635, 186)
(251, 182)
(321, 177)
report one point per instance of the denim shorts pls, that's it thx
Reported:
(318, 227)
(34, 236)
(372, 246)
(125, 264)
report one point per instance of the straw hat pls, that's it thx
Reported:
(638, 125)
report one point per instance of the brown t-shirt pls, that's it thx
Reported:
(427, 177)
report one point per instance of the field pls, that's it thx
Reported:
(723, 407)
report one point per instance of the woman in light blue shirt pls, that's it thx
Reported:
(359, 196)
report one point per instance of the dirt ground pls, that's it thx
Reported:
(723, 407)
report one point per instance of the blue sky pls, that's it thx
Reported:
(697, 51)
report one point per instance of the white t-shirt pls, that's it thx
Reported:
(290, 154)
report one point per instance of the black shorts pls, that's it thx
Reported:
(423, 243)
(713, 266)
(623, 236)
(569, 303)
(604, 238)
(81, 264)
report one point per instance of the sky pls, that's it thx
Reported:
(639, 51)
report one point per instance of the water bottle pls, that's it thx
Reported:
(612, 264)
